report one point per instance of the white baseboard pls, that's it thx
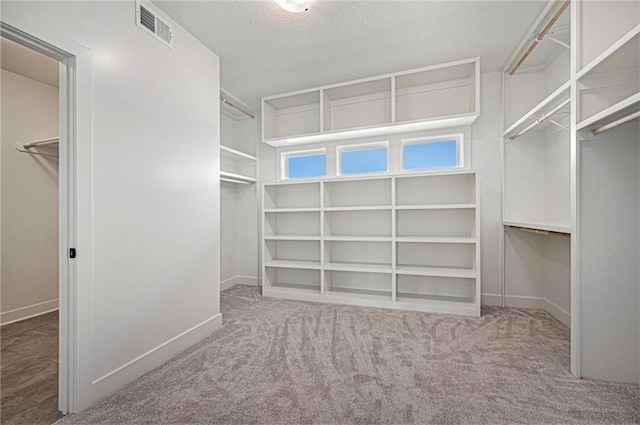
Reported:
(153, 358)
(28, 312)
(558, 312)
(491, 299)
(524, 302)
(238, 280)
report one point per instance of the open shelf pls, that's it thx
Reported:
(613, 113)
(360, 252)
(565, 229)
(554, 101)
(293, 195)
(234, 154)
(359, 105)
(441, 96)
(612, 80)
(293, 278)
(436, 191)
(357, 194)
(437, 92)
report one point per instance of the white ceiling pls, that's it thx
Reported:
(28, 63)
(265, 50)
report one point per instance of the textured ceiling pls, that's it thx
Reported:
(265, 50)
(28, 63)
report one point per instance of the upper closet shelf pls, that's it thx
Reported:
(622, 54)
(235, 154)
(441, 96)
(618, 114)
(556, 103)
(540, 228)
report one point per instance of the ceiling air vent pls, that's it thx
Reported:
(148, 20)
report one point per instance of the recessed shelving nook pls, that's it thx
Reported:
(405, 241)
(439, 96)
(536, 155)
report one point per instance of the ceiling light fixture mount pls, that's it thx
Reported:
(295, 6)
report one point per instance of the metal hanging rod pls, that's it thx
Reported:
(614, 124)
(540, 36)
(230, 180)
(236, 107)
(540, 120)
(45, 142)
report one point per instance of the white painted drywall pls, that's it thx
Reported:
(156, 193)
(29, 282)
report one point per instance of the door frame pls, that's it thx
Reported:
(75, 387)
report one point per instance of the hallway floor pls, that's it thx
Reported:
(29, 371)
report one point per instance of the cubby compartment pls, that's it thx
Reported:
(299, 280)
(537, 172)
(376, 286)
(298, 254)
(440, 222)
(437, 92)
(436, 258)
(602, 24)
(292, 224)
(352, 255)
(612, 81)
(358, 105)
(541, 66)
(434, 288)
(436, 190)
(357, 193)
(291, 115)
(358, 223)
(292, 196)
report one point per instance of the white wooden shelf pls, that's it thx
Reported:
(436, 271)
(540, 226)
(236, 154)
(289, 264)
(360, 267)
(596, 65)
(430, 98)
(625, 106)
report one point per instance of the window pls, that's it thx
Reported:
(426, 154)
(304, 164)
(357, 160)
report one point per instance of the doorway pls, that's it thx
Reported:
(30, 246)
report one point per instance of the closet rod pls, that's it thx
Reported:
(234, 106)
(540, 36)
(540, 120)
(614, 124)
(230, 180)
(45, 142)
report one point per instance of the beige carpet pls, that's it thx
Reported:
(292, 362)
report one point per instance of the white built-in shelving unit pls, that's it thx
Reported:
(607, 246)
(239, 209)
(405, 241)
(537, 167)
(435, 97)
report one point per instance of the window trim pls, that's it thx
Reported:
(284, 165)
(361, 146)
(458, 137)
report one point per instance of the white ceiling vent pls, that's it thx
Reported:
(147, 18)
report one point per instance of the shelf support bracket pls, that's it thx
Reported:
(560, 42)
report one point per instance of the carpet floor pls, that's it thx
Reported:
(277, 361)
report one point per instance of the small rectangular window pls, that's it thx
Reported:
(307, 164)
(430, 154)
(363, 160)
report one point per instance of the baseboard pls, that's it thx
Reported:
(28, 312)
(558, 312)
(524, 302)
(491, 299)
(238, 280)
(150, 360)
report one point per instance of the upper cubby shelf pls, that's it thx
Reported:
(439, 96)
(611, 82)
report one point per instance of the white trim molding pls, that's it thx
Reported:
(23, 313)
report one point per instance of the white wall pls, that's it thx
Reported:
(156, 194)
(29, 279)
